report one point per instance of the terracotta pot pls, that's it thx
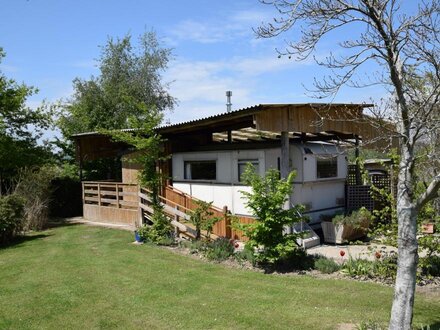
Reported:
(428, 228)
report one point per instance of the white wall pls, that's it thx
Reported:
(227, 167)
(221, 195)
(225, 191)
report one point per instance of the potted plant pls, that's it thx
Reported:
(428, 227)
(343, 228)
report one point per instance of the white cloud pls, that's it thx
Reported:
(220, 29)
(199, 31)
(200, 86)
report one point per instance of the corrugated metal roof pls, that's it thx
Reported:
(235, 113)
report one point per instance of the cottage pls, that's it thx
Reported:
(209, 155)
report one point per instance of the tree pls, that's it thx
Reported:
(20, 129)
(266, 201)
(130, 76)
(406, 49)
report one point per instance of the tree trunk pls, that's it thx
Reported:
(404, 289)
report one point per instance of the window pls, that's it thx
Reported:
(327, 167)
(201, 170)
(242, 163)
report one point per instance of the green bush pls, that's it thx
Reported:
(430, 266)
(159, 233)
(11, 217)
(203, 218)
(266, 202)
(34, 186)
(326, 266)
(219, 250)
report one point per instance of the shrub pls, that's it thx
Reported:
(219, 249)
(34, 186)
(160, 232)
(11, 217)
(202, 218)
(430, 266)
(266, 201)
(326, 266)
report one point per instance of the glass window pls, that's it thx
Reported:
(201, 170)
(327, 167)
(242, 163)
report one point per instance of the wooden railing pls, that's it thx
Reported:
(222, 228)
(177, 205)
(109, 194)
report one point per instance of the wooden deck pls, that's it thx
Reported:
(110, 202)
(129, 204)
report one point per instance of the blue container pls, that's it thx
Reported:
(137, 237)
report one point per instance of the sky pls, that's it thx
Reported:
(48, 43)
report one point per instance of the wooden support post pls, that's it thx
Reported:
(228, 229)
(285, 167)
(285, 159)
(176, 218)
(356, 154)
(140, 210)
(99, 194)
(117, 196)
(229, 136)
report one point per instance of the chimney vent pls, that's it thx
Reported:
(228, 101)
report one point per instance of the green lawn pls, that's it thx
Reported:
(85, 277)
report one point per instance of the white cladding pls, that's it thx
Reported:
(225, 190)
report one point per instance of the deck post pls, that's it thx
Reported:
(117, 196)
(140, 210)
(285, 166)
(99, 194)
(228, 230)
(284, 161)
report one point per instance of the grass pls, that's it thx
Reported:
(93, 278)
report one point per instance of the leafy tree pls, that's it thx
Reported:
(20, 128)
(266, 201)
(406, 48)
(148, 152)
(129, 75)
(129, 86)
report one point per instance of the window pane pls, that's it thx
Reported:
(242, 166)
(327, 167)
(201, 170)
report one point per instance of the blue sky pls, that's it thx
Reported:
(50, 42)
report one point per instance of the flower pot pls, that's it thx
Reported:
(137, 238)
(428, 228)
(338, 234)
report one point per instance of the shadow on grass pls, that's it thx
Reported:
(23, 239)
(433, 326)
(54, 223)
(300, 261)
